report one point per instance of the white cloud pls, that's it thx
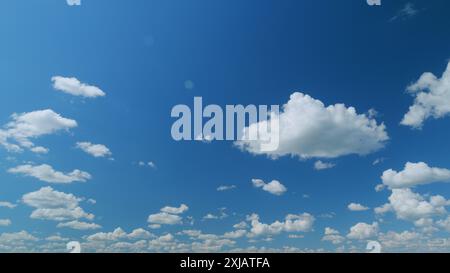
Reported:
(292, 223)
(74, 87)
(333, 236)
(96, 150)
(73, 2)
(235, 234)
(309, 129)
(117, 234)
(9, 205)
(274, 187)
(362, 231)
(393, 239)
(240, 225)
(356, 207)
(414, 174)
(408, 11)
(54, 205)
(408, 205)
(5, 222)
(226, 187)
(150, 164)
(48, 174)
(319, 165)
(18, 133)
(164, 218)
(174, 210)
(432, 99)
(79, 225)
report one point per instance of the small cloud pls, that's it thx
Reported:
(274, 187)
(356, 207)
(408, 11)
(378, 161)
(96, 150)
(226, 187)
(150, 164)
(319, 165)
(73, 2)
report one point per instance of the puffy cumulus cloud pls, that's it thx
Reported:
(78, 225)
(5, 222)
(120, 234)
(167, 216)
(309, 129)
(174, 210)
(292, 223)
(73, 2)
(357, 207)
(164, 218)
(274, 187)
(399, 240)
(432, 99)
(333, 236)
(46, 173)
(74, 87)
(414, 174)
(18, 133)
(362, 231)
(54, 205)
(408, 205)
(96, 150)
(320, 165)
(21, 241)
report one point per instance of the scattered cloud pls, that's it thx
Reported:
(432, 99)
(174, 210)
(357, 207)
(9, 205)
(96, 150)
(310, 129)
(78, 225)
(167, 216)
(48, 174)
(362, 231)
(408, 205)
(333, 236)
(292, 223)
(18, 133)
(319, 165)
(414, 174)
(5, 222)
(73, 2)
(74, 87)
(408, 11)
(226, 187)
(54, 205)
(274, 187)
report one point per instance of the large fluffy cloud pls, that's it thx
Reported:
(74, 87)
(408, 205)
(432, 99)
(18, 133)
(54, 205)
(414, 174)
(308, 129)
(48, 174)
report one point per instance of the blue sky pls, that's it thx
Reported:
(141, 54)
